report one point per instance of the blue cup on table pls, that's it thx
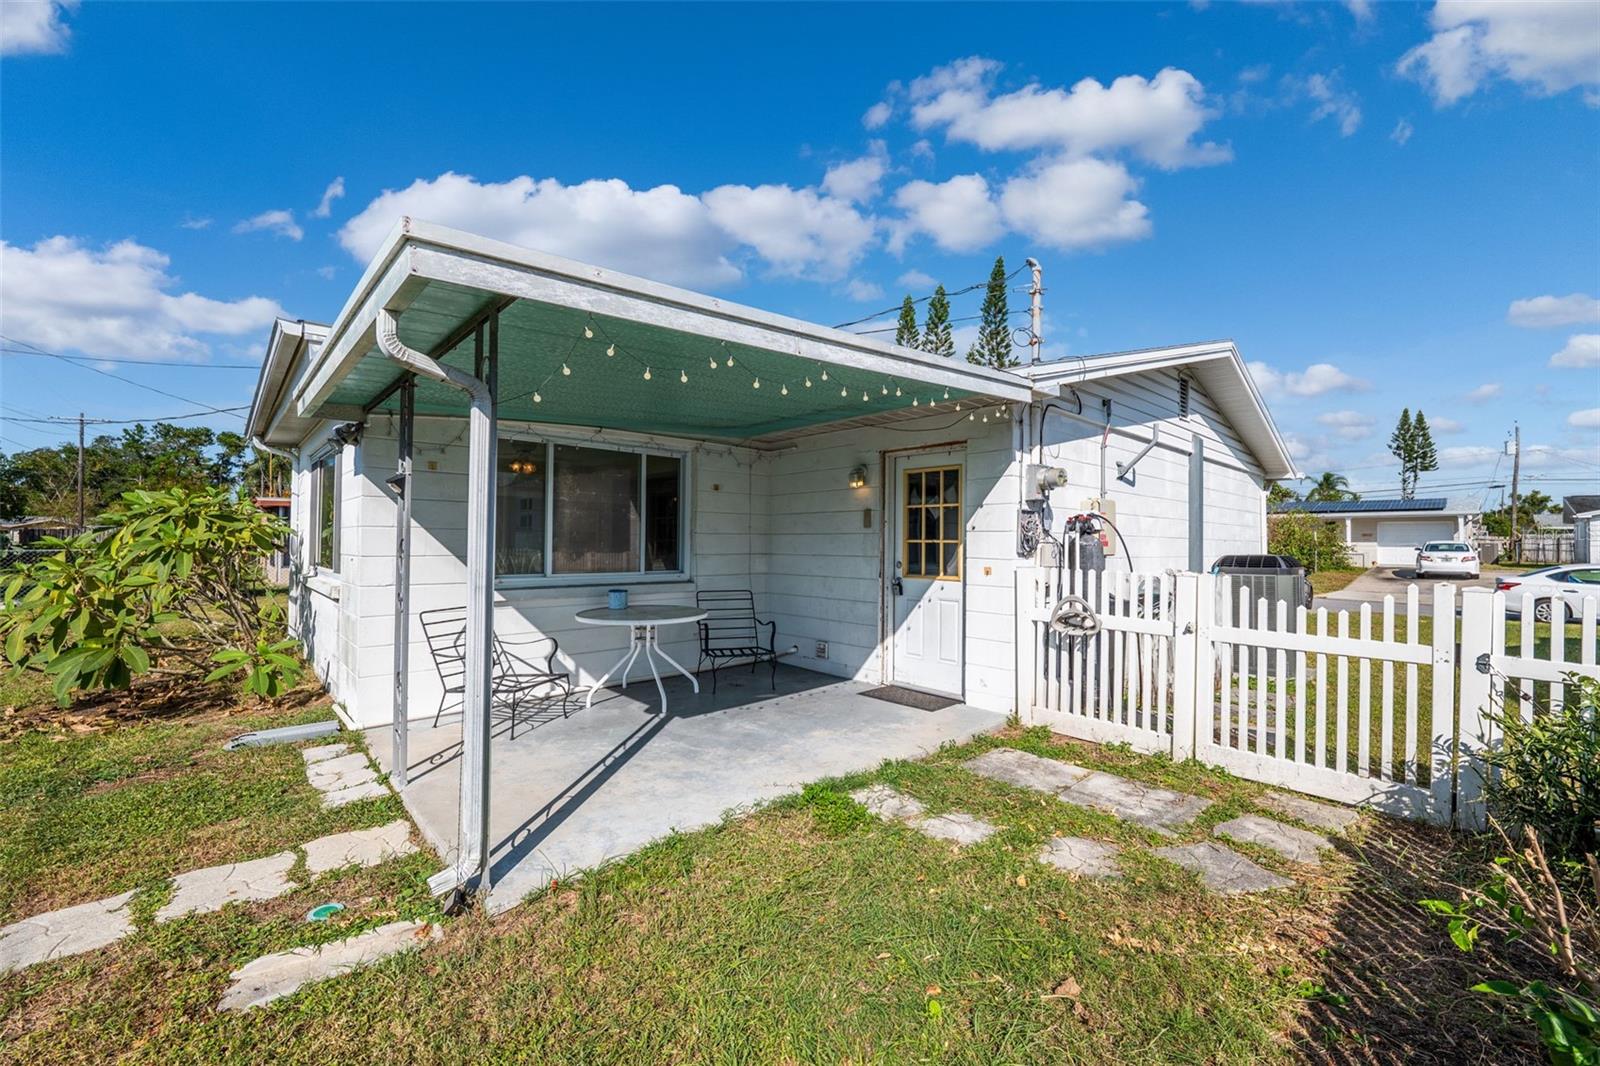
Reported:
(617, 599)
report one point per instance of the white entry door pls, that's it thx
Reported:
(927, 555)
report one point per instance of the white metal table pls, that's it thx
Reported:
(643, 620)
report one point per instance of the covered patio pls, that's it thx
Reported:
(454, 347)
(572, 793)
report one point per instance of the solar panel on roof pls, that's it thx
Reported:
(1358, 506)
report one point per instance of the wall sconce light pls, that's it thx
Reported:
(858, 478)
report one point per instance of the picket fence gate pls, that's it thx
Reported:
(1390, 708)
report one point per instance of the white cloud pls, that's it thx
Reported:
(113, 301)
(34, 27)
(1361, 9)
(1349, 425)
(958, 214)
(863, 291)
(877, 115)
(326, 273)
(1315, 380)
(858, 179)
(1587, 419)
(279, 222)
(191, 222)
(1484, 393)
(1468, 455)
(1402, 132)
(1546, 46)
(661, 232)
(1442, 425)
(334, 191)
(1537, 312)
(1534, 456)
(915, 279)
(1075, 203)
(1581, 352)
(1333, 101)
(1154, 118)
(799, 233)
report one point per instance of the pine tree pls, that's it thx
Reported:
(993, 346)
(906, 334)
(1400, 445)
(936, 336)
(1424, 458)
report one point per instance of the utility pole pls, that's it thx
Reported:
(1036, 312)
(1516, 470)
(80, 471)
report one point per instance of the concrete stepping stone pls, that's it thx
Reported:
(1154, 808)
(1081, 856)
(214, 887)
(68, 931)
(360, 847)
(1222, 870)
(353, 766)
(958, 827)
(1324, 816)
(1296, 845)
(1019, 768)
(881, 801)
(274, 976)
(364, 790)
(323, 752)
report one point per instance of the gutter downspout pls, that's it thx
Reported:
(472, 861)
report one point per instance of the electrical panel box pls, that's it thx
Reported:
(1107, 508)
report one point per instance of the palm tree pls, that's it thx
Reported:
(1331, 488)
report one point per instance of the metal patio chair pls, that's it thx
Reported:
(516, 676)
(731, 630)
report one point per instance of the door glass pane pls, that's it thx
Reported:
(952, 522)
(913, 522)
(914, 488)
(931, 524)
(952, 486)
(914, 559)
(519, 508)
(597, 512)
(952, 562)
(662, 475)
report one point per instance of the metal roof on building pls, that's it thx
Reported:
(1432, 503)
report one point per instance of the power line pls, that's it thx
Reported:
(144, 362)
(84, 363)
(974, 287)
(63, 419)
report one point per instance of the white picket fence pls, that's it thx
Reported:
(1355, 706)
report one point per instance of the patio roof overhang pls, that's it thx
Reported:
(583, 346)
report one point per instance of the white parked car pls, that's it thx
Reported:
(1447, 558)
(1570, 584)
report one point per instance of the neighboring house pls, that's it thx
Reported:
(1552, 522)
(1586, 536)
(20, 532)
(1389, 532)
(575, 430)
(1574, 506)
(277, 564)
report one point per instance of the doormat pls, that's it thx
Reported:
(910, 697)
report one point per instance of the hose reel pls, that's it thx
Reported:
(1074, 617)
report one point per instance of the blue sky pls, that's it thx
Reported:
(1385, 205)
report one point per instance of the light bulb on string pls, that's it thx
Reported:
(914, 402)
(647, 373)
(883, 390)
(566, 371)
(611, 349)
(729, 362)
(712, 362)
(537, 398)
(808, 383)
(824, 375)
(588, 334)
(784, 389)
(843, 391)
(863, 395)
(897, 390)
(756, 384)
(683, 377)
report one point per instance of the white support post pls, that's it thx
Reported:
(1482, 612)
(400, 748)
(1027, 643)
(1186, 653)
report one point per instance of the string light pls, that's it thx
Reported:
(566, 371)
(824, 374)
(897, 390)
(863, 395)
(730, 361)
(756, 384)
(883, 389)
(712, 362)
(784, 389)
(914, 401)
(588, 334)
(537, 398)
(683, 377)
(647, 373)
(808, 382)
(611, 349)
(947, 394)
(843, 391)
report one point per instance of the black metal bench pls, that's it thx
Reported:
(516, 676)
(731, 631)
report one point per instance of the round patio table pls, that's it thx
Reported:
(643, 621)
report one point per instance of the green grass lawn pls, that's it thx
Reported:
(805, 932)
(1326, 581)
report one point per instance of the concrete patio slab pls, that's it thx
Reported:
(323, 752)
(1324, 816)
(1081, 856)
(359, 847)
(214, 887)
(1221, 870)
(1296, 845)
(1154, 808)
(68, 931)
(881, 801)
(274, 976)
(958, 827)
(572, 793)
(1019, 768)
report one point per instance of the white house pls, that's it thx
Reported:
(574, 430)
(1389, 532)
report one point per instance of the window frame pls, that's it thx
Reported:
(325, 467)
(641, 450)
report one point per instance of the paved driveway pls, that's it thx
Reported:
(1372, 586)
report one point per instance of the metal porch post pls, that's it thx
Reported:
(475, 723)
(402, 582)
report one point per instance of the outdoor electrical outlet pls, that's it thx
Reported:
(822, 650)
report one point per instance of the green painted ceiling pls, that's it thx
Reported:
(537, 340)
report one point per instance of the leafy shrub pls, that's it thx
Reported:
(175, 590)
(1318, 545)
(1546, 775)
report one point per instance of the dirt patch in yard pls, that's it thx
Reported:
(153, 701)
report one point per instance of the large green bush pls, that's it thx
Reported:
(173, 590)
(1546, 774)
(1317, 544)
